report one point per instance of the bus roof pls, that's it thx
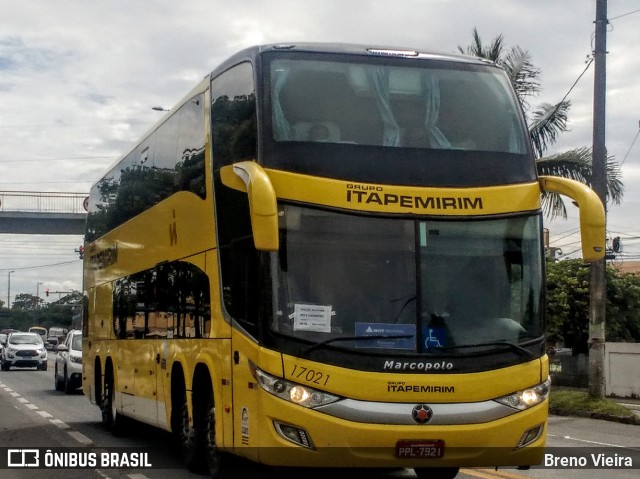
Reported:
(346, 49)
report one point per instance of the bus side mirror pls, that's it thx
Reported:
(592, 217)
(248, 176)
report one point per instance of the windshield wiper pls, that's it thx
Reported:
(321, 344)
(514, 347)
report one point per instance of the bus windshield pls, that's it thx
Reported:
(414, 104)
(412, 285)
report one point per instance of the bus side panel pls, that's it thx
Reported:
(222, 374)
(246, 393)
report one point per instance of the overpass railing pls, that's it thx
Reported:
(42, 202)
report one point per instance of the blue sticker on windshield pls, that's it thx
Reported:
(434, 337)
(386, 335)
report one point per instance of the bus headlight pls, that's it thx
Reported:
(290, 391)
(527, 397)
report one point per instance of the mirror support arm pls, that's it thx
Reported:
(592, 214)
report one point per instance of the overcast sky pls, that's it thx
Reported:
(78, 80)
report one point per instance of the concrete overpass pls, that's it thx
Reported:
(53, 213)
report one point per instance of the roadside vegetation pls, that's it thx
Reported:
(29, 310)
(564, 402)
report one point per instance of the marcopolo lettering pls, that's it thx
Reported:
(367, 197)
(417, 365)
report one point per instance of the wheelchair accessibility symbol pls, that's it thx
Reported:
(434, 337)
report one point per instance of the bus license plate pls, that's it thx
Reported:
(420, 449)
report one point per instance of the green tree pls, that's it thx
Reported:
(26, 302)
(568, 305)
(545, 122)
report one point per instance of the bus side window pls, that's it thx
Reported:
(233, 116)
(234, 136)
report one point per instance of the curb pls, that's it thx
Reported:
(633, 419)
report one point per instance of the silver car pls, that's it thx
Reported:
(24, 350)
(68, 369)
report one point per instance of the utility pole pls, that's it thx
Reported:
(598, 288)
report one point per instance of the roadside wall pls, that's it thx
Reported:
(622, 369)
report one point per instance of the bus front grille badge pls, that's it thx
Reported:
(422, 414)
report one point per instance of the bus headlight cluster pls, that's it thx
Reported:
(527, 397)
(292, 392)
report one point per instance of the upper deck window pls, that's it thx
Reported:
(442, 105)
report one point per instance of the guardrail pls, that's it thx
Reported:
(43, 202)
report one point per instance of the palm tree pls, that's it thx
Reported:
(545, 124)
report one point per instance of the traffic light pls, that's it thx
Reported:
(46, 291)
(81, 252)
(617, 245)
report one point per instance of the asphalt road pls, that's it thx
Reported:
(33, 414)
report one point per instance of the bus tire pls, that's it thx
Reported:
(436, 472)
(111, 420)
(212, 454)
(191, 449)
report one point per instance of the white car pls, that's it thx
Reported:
(68, 369)
(24, 350)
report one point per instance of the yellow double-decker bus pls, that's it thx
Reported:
(329, 255)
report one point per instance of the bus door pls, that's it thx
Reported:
(162, 381)
(140, 367)
(150, 376)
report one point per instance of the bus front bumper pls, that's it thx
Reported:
(294, 436)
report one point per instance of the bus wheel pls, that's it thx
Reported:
(209, 438)
(187, 438)
(436, 472)
(111, 420)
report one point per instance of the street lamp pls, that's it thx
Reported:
(9, 289)
(38, 289)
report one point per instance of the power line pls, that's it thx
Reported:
(624, 15)
(71, 158)
(40, 266)
(629, 150)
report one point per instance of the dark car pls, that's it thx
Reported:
(52, 343)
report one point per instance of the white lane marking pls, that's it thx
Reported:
(59, 423)
(589, 442)
(81, 438)
(78, 436)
